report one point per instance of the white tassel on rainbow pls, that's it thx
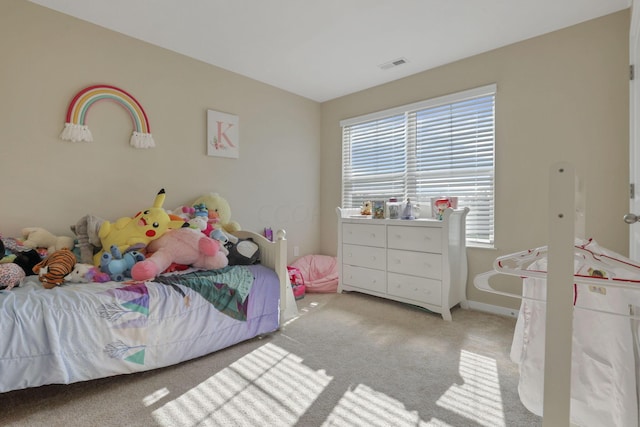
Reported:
(76, 133)
(142, 140)
(76, 130)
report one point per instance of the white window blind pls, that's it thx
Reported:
(439, 147)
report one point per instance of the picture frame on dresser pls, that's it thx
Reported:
(377, 209)
(422, 262)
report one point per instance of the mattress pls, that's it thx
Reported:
(84, 331)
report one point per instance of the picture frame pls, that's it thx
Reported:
(377, 209)
(223, 134)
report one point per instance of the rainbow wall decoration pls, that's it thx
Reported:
(75, 128)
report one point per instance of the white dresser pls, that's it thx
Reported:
(421, 262)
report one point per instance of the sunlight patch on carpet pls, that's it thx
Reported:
(155, 396)
(312, 306)
(478, 398)
(365, 407)
(269, 386)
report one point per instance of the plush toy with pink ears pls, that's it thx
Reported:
(185, 246)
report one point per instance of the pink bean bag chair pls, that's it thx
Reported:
(320, 273)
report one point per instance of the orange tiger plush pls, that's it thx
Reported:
(52, 269)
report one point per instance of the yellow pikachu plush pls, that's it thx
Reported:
(138, 231)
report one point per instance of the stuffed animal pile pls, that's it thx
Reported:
(40, 253)
(141, 247)
(18, 261)
(220, 227)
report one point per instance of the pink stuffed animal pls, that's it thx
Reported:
(181, 246)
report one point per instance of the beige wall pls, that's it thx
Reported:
(47, 57)
(561, 97)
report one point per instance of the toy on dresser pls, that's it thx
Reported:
(365, 209)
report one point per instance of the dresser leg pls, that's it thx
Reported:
(446, 314)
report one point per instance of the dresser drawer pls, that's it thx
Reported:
(426, 239)
(365, 278)
(415, 263)
(415, 288)
(364, 234)
(364, 256)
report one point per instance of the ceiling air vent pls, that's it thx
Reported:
(394, 63)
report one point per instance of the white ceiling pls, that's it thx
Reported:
(324, 49)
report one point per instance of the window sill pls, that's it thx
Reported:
(481, 246)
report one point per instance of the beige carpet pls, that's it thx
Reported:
(347, 360)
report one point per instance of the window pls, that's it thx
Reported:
(439, 147)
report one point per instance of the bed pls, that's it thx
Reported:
(84, 331)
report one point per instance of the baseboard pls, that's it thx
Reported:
(494, 309)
